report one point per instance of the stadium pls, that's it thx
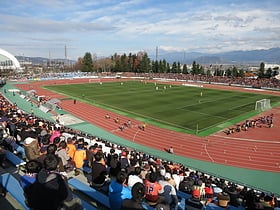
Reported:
(96, 117)
(247, 157)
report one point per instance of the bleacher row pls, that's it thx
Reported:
(12, 186)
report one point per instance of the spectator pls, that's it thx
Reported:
(171, 150)
(136, 202)
(186, 185)
(153, 189)
(145, 171)
(56, 133)
(79, 157)
(49, 190)
(134, 177)
(62, 154)
(99, 171)
(32, 169)
(169, 192)
(118, 191)
(124, 160)
(26, 131)
(234, 195)
(223, 199)
(31, 147)
(110, 157)
(194, 203)
(45, 142)
(90, 156)
(71, 148)
(209, 193)
(115, 166)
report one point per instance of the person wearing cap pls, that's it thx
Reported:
(31, 148)
(124, 160)
(169, 192)
(194, 203)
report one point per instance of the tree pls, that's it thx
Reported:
(163, 66)
(79, 64)
(87, 65)
(228, 72)
(234, 72)
(268, 73)
(174, 67)
(261, 71)
(145, 63)
(194, 68)
(185, 69)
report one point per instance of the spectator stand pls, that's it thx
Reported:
(93, 194)
(12, 186)
(15, 160)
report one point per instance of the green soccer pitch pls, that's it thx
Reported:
(194, 110)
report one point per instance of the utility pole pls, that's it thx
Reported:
(156, 53)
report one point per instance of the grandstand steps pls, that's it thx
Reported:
(39, 91)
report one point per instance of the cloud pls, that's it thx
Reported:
(111, 26)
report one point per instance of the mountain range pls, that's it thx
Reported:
(252, 57)
(271, 55)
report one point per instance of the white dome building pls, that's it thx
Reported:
(8, 61)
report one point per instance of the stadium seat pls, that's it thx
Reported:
(12, 185)
(14, 159)
(97, 196)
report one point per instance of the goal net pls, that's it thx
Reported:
(263, 105)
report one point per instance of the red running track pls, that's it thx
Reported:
(256, 149)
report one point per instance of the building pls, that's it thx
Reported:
(8, 63)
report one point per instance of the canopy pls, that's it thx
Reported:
(54, 101)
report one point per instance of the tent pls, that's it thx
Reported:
(31, 92)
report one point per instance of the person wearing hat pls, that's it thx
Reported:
(31, 148)
(168, 191)
(194, 203)
(124, 160)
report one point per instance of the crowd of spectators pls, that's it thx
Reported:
(242, 81)
(131, 179)
(263, 121)
(238, 81)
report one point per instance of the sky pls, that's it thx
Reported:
(104, 27)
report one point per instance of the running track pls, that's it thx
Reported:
(256, 149)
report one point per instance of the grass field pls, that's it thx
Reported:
(187, 109)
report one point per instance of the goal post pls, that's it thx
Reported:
(262, 105)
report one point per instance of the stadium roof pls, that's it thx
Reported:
(8, 61)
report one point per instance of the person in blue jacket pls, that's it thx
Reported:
(118, 191)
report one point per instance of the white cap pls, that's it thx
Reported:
(167, 176)
(28, 140)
